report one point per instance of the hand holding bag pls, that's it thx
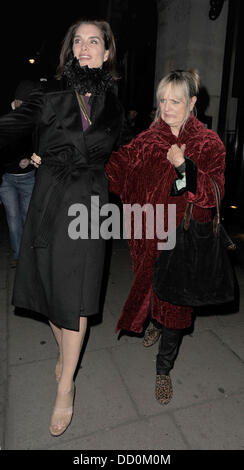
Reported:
(197, 271)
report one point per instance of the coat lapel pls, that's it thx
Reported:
(67, 109)
(105, 120)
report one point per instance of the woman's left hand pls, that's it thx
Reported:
(175, 154)
(24, 163)
(35, 160)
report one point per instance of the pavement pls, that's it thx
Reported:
(115, 406)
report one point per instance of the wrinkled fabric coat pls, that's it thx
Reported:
(57, 275)
(140, 173)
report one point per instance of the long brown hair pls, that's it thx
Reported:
(109, 43)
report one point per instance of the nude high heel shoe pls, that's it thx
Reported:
(62, 413)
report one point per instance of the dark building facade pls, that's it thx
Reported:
(152, 37)
(231, 110)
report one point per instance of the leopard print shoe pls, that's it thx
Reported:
(163, 389)
(151, 336)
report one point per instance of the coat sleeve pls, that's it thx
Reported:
(211, 164)
(22, 121)
(117, 167)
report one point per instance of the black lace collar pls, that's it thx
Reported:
(87, 80)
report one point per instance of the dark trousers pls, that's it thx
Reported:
(168, 348)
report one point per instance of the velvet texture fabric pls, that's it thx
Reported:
(140, 173)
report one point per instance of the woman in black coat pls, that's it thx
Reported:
(76, 120)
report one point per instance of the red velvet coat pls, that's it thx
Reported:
(140, 173)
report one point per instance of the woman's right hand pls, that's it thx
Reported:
(175, 154)
(35, 160)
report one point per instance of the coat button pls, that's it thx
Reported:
(108, 130)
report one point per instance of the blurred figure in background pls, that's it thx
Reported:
(17, 176)
(132, 120)
(130, 126)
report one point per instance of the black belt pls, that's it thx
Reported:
(64, 174)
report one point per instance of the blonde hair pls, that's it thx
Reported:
(189, 81)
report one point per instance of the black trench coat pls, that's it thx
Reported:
(56, 275)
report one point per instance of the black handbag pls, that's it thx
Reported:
(198, 270)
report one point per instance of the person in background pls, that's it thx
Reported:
(130, 128)
(132, 117)
(169, 163)
(17, 176)
(152, 115)
(78, 120)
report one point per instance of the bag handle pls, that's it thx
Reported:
(216, 220)
(228, 243)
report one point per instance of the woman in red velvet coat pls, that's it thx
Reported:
(169, 163)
